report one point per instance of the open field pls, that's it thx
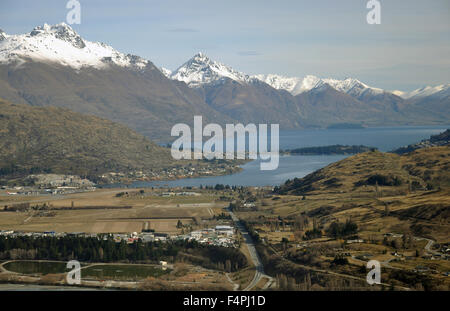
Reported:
(122, 272)
(36, 267)
(104, 211)
(367, 209)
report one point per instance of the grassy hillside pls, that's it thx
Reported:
(35, 140)
(371, 171)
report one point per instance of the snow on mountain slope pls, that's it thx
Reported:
(61, 44)
(297, 85)
(165, 71)
(439, 91)
(399, 93)
(352, 87)
(293, 85)
(200, 69)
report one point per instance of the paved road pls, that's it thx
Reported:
(259, 273)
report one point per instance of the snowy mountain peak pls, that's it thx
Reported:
(201, 55)
(60, 31)
(352, 86)
(296, 85)
(438, 91)
(62, 45)
(200, 69)
(293, 85)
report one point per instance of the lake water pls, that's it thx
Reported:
(383, 138)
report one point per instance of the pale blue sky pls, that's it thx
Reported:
(410, 48)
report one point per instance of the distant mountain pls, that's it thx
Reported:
(438, 91)
(296, 85)
(49, 139)
(324, 106)
(293, 85)
(201, 70)
(236, 94)
(62, 45)
(427, 105)
(254, 102)
(53, 65)
(299, 102)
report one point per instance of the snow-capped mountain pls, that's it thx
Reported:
(61, 44)
(439, 91)
(295, 85)
(53, 66)
(200, 70)
(135, 92)
(352, 87)
(166, 72)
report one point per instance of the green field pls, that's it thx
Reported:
(124, 272)
(36, 267)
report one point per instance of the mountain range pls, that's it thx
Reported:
(54, 66)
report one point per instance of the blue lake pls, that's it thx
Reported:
(383, 138)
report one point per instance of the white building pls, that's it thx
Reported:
(225, 230)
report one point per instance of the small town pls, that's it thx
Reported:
(221, 235)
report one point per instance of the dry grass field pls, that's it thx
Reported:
(102, 211)
(400, 204)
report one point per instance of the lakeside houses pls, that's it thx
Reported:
(184, 193)
(58, 180)
(40, 181)
(173, 173)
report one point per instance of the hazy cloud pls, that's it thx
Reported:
(249, 53)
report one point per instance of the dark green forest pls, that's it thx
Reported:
(87, 249)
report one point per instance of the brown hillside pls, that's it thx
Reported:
(50, 139)
(426, 168)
